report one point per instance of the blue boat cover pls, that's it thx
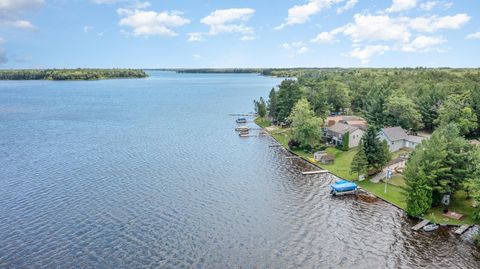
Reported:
(350, 186)
(342, 181)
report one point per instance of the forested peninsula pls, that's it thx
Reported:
(70, 74)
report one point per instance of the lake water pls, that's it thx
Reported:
(149, 173)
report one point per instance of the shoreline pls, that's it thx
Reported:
(360, 187)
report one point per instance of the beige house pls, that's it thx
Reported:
(336, 132)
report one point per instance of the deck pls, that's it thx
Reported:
(420, 225)
(462, 229)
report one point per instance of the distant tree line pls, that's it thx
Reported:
(70, 74)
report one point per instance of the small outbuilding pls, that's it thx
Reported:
(323, 157)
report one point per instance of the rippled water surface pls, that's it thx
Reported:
(150, 174)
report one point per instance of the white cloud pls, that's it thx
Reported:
(105, 1)
(11, 10)
(19, 24)
(193, 37)
(19, 5)
(401, 5)
(371, 27)
(2, 40)
(297, 47)
(303, 50)
(227, 21)
(435, 23)
(349, 5)
(196, 56)
(423, 44)
(323, 38)
(149, 23)
(300, 14)
(368, 52)
(474, 35)
(247, 38)
(429, 5)
(87, 28)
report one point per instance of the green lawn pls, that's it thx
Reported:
(397, 180)
(341, 166)
(394, 195)
(460, 204)
(262, 122)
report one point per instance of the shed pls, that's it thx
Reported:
(323, 157)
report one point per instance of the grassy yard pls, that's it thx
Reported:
(460, 204)
(262, 122)
(341, 166)
(398, 181)
(394, 195)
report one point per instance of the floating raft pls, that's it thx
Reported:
(420, 225)
(315, 172)
(462, 229)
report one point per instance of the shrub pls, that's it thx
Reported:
(292, 144)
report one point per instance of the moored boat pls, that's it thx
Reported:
(242, 128)
(241, 120)
(430, 227)
(343, 187)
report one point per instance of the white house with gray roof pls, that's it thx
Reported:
(397, 138)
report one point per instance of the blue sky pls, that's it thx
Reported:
(287, 33)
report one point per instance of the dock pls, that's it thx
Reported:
(315, 172)
(242, 115)
(462, 229)
(420, 225)
(292, 157)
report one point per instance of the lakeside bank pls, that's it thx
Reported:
(341, 169)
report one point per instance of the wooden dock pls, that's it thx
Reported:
(314, 172)
(292, 157)
(420, 225)
(243, 115)
(462, 229)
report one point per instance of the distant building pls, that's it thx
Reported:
(397, 138)
(335, 133)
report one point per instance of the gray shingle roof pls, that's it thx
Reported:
(395, 133)
(342, 128)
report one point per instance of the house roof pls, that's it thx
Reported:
(395, 133)
(415, 139)
(342, 128)
(352, 120)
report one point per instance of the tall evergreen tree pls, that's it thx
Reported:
(359, 163)
(272, 104)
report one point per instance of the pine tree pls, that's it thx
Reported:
(359, 163)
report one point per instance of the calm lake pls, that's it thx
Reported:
(149, 173)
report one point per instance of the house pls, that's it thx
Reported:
(323, 157)
(350, 120)
(336, 132)
(397, 138)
